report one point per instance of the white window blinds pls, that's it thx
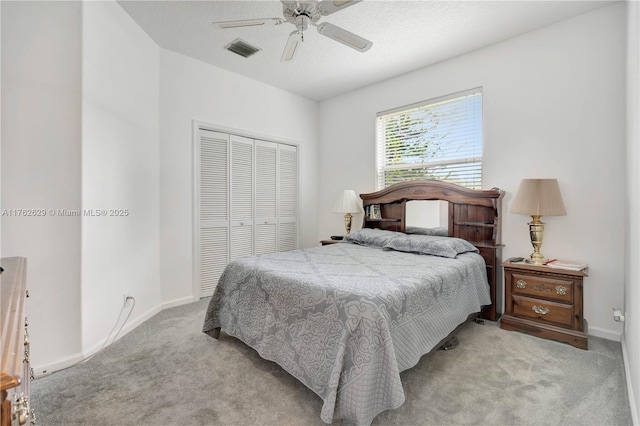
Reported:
(440, 139)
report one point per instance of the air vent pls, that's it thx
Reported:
(242, 48)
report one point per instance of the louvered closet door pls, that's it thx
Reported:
(213, 190)
(266, 160)
(241, 197)
(287, 198)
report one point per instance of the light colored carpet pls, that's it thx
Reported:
(167, 372)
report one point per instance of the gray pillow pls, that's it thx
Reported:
(438, 231)
(372, 237)
(426, 244)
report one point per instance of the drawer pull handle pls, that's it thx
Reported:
(541, 310)
(561, 290)
(521, 283)
(22, 410)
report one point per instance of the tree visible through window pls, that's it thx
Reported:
(439, 139)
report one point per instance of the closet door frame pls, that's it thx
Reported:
(195, 187)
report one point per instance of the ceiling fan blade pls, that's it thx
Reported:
(345, 37)
(290, 50)
(327, 7)
(249, 23)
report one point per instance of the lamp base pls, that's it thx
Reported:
(347, 222)
(536, 232)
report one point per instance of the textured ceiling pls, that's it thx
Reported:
(406, 35)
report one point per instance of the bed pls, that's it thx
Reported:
(346, 319)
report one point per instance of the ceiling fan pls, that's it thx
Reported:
(302, 14)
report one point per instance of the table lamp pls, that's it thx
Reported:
(537, 198)
(347, 202)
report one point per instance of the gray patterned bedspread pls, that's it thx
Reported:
(346, 319)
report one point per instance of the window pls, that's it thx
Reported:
(440, 139)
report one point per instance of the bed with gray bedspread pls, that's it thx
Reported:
(346, 319)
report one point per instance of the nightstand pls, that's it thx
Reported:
(545, 302)
(327, 242)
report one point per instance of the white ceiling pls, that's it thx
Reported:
(406, 35)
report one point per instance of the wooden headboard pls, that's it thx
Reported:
(474, 215)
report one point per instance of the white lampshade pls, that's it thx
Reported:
(346, 201)
(539, 197)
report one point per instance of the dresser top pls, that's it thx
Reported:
(529, 267)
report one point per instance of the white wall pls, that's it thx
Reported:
(120, 170)
(41, 104)
(554, 106)
(190, 89)
(84, 89)
(80, 111)
(632, 281)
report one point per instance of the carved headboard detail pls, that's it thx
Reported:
(474, 215)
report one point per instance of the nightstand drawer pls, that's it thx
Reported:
(543, 310)
(542, 287)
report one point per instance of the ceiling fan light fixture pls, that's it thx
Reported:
(302, 23)
(242, 48)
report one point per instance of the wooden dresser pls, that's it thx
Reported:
(545, 302)
(15, 371)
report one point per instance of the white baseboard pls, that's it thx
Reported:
(605, 333)
(632, 400)
(178, 302)
(60, 364)
(71, 360)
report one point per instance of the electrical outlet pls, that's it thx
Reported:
(127, 296)
(42, 373)
(618, 315)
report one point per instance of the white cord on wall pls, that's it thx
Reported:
(106, 342)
